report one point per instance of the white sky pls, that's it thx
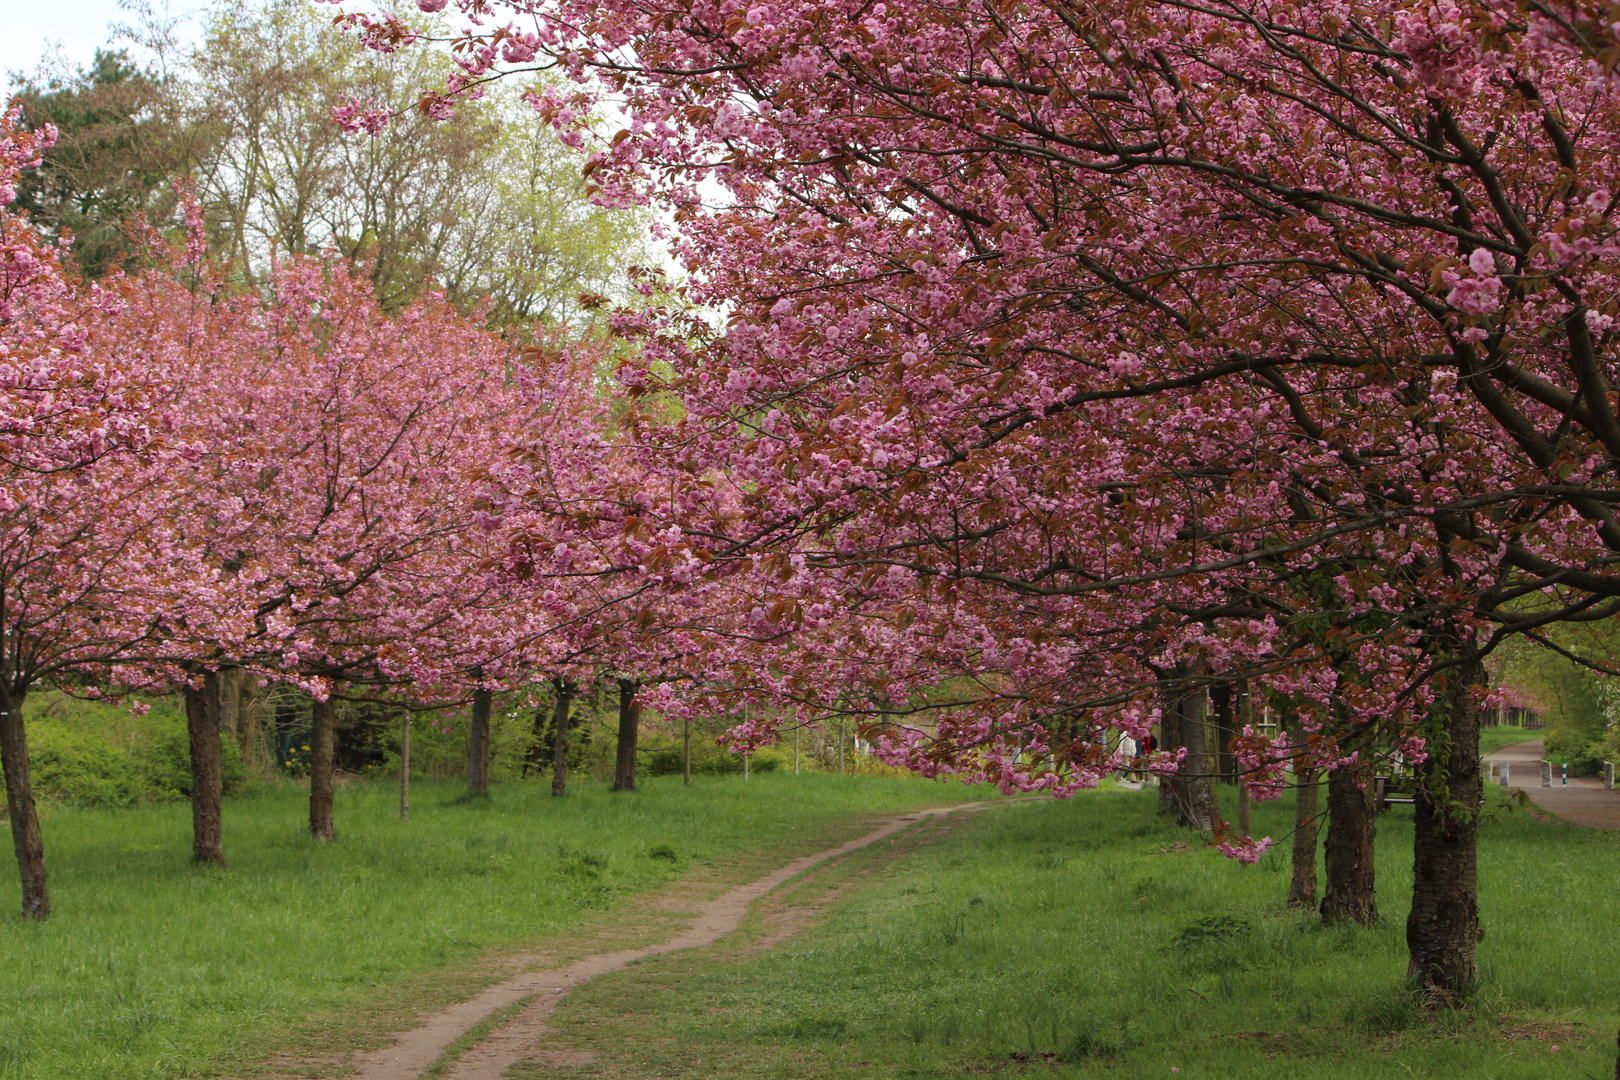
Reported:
(28, 28)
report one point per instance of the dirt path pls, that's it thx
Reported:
(1583, 801)
(415, 1052)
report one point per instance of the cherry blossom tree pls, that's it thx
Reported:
(68, 404)
(1131, 322)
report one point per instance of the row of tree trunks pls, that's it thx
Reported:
(1442, 928)
(20, 808)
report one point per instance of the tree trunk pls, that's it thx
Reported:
(1307, 827)
(1444, 923)
(207, 769)
(624, 768)
(1302, 889)
(478, 744)
(1348, 856)
(1223, 702)
(1170, 742)
(229, 697)
(559, 738)
(322, 759)
(1243, 697)
(1197, 787)
(536, 757)
(250, 709)
(686, 751)
(405, 766)
(25, 835)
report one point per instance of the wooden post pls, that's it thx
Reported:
(405, 767)
(1245, 711)
(686, 750)
(478, 743)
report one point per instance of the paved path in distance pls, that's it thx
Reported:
(1585, 801)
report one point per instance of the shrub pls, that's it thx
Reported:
(82, 768)
(97, 754)
(708, 761)
(1585, 755)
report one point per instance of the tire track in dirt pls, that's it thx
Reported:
(416, 1051)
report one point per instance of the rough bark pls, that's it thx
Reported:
(478, 743)
(686, 750)
(1307, 825)
(322, 759)
(1348, 849)
(1170, 742)
(1196, 787)
(20, 808)
(1302, 888)
(1444, 922)
(207, 769)
(624, 766)
(559, 739)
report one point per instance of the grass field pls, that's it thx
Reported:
(152, 968)
(1087, 939)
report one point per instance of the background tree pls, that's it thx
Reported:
(123, 138)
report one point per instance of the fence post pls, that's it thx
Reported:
(1546, 773)
(405, 767)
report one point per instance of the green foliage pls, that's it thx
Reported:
(709, 760)
(1578, 705)
(152, 968)
(92, 753)
(83, 768)
(119, 144)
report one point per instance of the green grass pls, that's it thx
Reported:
(1088, 939)
(1492, 739)
(153, 968)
